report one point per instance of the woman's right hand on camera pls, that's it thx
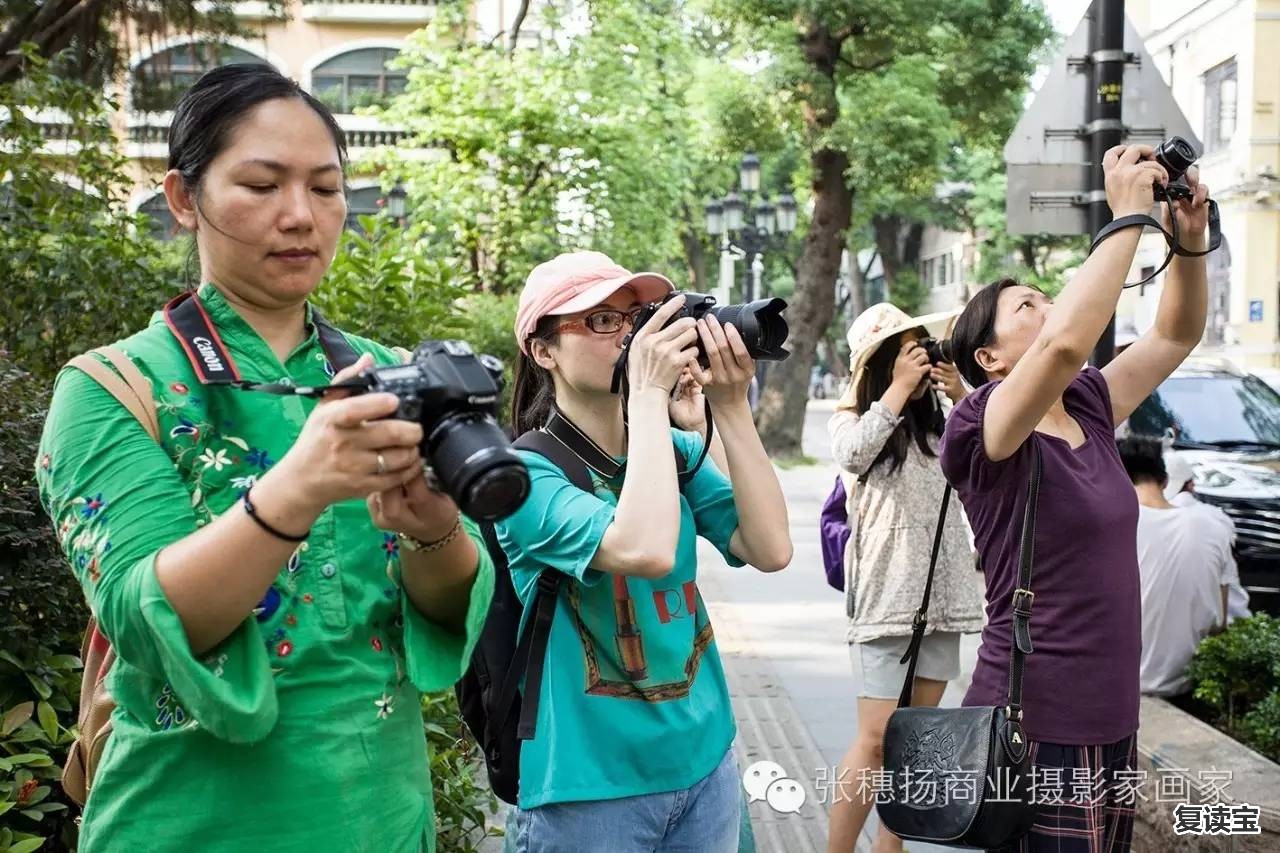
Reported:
(911, 365)
(659, 355)
(346, 449)
(1131, 174)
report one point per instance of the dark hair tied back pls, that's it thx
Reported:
(218, 101)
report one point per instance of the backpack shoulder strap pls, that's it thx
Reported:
(547, 445)
(130, 387)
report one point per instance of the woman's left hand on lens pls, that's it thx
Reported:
(414, 509)
(731, 367)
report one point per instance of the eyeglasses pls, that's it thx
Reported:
(606, 322)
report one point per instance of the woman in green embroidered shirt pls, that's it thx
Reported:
(267, 687)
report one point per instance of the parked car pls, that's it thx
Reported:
(1226, 424)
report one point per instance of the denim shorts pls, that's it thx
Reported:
(704, 818)
(882, 674)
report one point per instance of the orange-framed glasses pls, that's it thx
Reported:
(608, 321)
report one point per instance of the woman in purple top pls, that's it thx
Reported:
(1022, 351)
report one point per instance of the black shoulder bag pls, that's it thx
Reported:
(961, 777)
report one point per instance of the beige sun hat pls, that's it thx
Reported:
(879, 323)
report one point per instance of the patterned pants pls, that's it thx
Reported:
(1094, 813)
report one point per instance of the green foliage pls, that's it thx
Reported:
(77, 271)
(1237, 673)
(462, 795)
(384, 286)
(908, 291)
(587, 142)
(43, 613)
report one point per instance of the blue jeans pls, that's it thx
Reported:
(704, 818)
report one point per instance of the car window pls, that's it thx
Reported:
(1218, 409)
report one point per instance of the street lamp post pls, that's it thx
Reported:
(396, 203)
(767, 228)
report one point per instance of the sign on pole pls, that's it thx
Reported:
(1047, 156)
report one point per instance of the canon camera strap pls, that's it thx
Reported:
(187, 319)
(1142, 220)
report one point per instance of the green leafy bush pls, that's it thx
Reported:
(462, 797)
(1237, 673)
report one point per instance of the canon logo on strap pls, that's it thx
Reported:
(209, 354)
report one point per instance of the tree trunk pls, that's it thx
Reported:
(695, 256)
(783, 399)
(887, 233)
(857, 281)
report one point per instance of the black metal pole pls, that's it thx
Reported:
(1105, 129)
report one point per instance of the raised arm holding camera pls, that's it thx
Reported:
(271, 637)
(634, 724)
(1060, 653)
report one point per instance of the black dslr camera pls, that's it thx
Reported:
(939, 352)
(1177, 156)
(760, 323)
(454, 394)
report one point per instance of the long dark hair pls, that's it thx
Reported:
(976, 328)
(920, 419)
(533, 390)
(211, 109)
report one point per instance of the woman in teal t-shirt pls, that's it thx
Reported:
(634, 723)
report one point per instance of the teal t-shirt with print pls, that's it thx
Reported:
(634, 699)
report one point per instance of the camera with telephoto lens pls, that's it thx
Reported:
(939, 352)
(1177, 156)
(760, 323)
(454, 394)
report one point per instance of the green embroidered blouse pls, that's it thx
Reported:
(302, 730)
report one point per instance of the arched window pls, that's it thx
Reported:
(162, 225)
(357, 78)
(159, 81)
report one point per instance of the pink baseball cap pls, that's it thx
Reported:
(575, 281)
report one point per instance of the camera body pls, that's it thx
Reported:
(760, 323)
(939, 352)
(1177, 156)
(454, 394)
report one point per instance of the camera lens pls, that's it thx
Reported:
(477, 466)
(762, 326)
(1176, 155)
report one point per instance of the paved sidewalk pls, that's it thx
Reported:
(782, 638)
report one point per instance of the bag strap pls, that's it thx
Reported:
(921, 619)
(130, 387)
(1022, 596)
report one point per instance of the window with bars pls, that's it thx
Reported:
(1219, 105)
(358, 78)
(160, 81)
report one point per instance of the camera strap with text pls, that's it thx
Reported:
(191, 325)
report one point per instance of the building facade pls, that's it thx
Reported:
(1221, 59)
(342, 52)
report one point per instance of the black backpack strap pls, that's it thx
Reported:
(335, 344)
(547, 445)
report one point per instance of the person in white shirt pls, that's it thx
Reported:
(1180, 491)
(1185, 565)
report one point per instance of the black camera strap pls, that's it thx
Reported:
(211, 359)
(1142, 220)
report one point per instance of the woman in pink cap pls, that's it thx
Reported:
(634, 729)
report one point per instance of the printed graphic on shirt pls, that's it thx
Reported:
(647, 644)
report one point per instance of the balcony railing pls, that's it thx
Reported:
(145, 134)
